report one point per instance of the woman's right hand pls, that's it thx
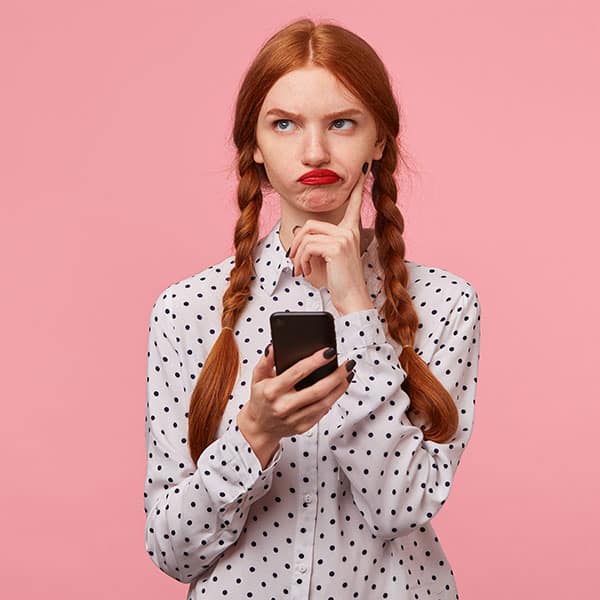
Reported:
(276, 409)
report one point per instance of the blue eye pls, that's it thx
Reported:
(281, 121)
(342, 121)
(284, 122)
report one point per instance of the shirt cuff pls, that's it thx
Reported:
(241, 453)
(358, 330)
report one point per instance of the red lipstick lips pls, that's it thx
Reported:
(319, 177)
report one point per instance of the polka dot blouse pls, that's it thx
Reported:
(341, 511)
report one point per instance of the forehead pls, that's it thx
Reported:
(309, 88)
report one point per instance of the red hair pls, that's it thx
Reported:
(362, 72)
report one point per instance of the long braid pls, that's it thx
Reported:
(220, 371)
(426, 394)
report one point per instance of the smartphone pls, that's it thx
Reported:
(296, 335)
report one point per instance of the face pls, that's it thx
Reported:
(309, 120)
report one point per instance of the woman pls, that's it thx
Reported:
(254, 489)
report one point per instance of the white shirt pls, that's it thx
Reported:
(341, 511)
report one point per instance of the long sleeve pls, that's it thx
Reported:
(399, 480)
(194, 512)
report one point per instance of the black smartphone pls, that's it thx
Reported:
(296, 335)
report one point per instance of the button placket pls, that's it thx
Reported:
(307, 505)
(306, 518)
(312, 431)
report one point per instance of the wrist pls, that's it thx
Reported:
(263, 444)
(355, 304)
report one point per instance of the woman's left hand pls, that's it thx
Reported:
(332, 253)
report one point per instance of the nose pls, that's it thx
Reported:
(315, 151)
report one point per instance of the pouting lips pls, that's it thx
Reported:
(319, 180)
(319, 177)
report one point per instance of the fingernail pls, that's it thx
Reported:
(294, 229)
(350, 365)
(365, 168)
(350, 377)
(329, 352)
(288, 252)
(267, 349)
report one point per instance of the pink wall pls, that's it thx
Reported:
(116, 180)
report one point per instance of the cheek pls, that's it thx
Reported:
(279, 171)
(350, 158)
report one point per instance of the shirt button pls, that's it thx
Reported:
(302, 568)
(307, 499)
(309, 433)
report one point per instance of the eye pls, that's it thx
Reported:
(338, 124)
(284, 121)
(337, 121)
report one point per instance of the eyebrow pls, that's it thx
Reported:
(335, 115)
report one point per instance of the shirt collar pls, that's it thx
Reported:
(271, 263)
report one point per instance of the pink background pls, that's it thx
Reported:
(117, 179)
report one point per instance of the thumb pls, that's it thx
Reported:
(265, 367)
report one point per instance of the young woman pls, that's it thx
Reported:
(254, 489)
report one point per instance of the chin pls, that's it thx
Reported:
(323, 201)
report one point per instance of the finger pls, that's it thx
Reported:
(265, 367)
(311, 226)
(333, 383)
(323, 388)
(316, 245)
(314, 411)
(299, 370)
(292, 249)
(351, 218)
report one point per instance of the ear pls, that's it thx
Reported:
(258, 157)
(378, 151)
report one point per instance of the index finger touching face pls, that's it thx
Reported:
(351, 218)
